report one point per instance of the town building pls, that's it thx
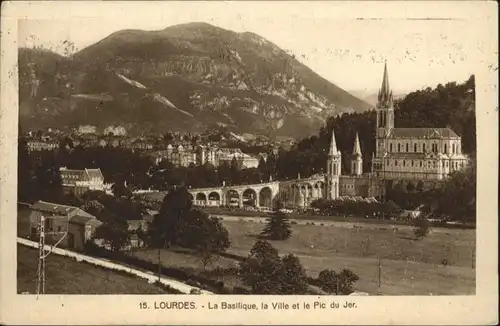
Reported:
(36, 145)
(178, 156)
(69, 226)
(78, 182)
(412, 153)
(207, 154)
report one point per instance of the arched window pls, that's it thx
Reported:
(407, 147)
(446, 148)
(423, 147)
(390, 147)
(453, 148)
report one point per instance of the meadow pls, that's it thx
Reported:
(441, 263)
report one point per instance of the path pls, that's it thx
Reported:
(151, 277)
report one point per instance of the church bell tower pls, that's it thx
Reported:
(385, 107)
(385, 115)
(333, 169)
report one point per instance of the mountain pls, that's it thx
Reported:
(187, 77)
(371, 96)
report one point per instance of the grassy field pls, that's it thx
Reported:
(67, 276)
(409, 267)
(192, 263)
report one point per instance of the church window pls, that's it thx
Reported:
(399, 147)
(415, 148)
(407, 147)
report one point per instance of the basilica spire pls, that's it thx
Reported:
(333, 145)
(356, 149)
(385, 91)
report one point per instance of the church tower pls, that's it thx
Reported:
(385, 107)
(333, 170)
(357, 158)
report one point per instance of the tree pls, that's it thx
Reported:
(266, 273)
(120, 189)
(294, 276)
(421, 227)
(327, 280)
(262, 270)
(339, 283)
(205, 234)
(166, 228)
(458, 195)
(114, 231)
(278, 226)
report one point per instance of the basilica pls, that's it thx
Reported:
(402, 154)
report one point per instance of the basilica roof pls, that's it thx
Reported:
(422, 133)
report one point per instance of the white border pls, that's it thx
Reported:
(58, 309)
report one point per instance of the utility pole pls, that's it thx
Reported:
(40, 281)
(159, 263)
(474, 258)
(379, 272)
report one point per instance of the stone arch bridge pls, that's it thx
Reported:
(256, 195)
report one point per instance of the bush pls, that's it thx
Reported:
(421, 228)
(266, 273)
(339, 283)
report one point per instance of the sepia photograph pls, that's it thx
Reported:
(238, 151)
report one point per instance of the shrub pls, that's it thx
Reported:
(421, 228)
(266, 273)
(339, 283)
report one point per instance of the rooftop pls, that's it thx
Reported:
(423, 133)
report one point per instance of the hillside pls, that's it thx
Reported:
(67, 276)
(185, 77)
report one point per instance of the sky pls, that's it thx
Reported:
(347, 45)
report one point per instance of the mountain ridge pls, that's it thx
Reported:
(241, 80)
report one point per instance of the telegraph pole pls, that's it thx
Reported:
(40, 280)
(379, 272)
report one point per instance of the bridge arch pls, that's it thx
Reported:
(250, 197)
(266, 197)
(201, 198)
(214, 199)
(232, 198)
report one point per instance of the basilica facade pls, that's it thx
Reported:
(402, 154)
(412, 153)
